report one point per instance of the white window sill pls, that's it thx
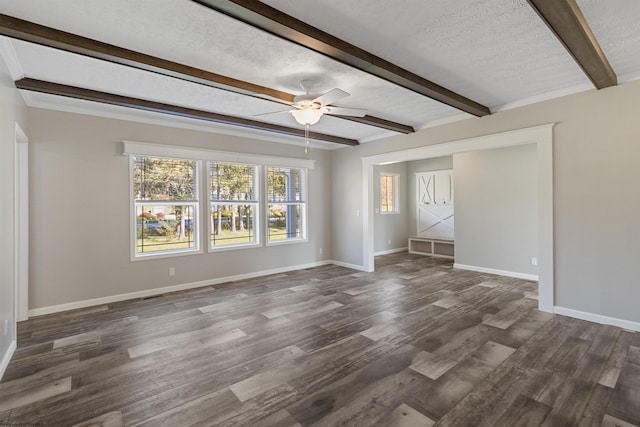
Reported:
(144, 257)
(286, 242)
(224, 248)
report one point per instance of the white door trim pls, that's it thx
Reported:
(21, 224)
(541, 135)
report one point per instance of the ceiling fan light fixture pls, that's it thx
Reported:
(307, 116)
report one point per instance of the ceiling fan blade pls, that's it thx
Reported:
(339, 111)
(332, 96)
(273, 113)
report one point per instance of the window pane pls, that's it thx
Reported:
(232, 181)
(165, 228)
(285, 221)
(285, 184)
(232, 225)
(387, 193)
(164, 179)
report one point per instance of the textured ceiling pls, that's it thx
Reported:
(616, 25)
(496, 52)
(486, 50)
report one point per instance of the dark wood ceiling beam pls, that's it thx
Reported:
(57, 39)
(174, 110)
(51, 37)
(273, 21)
(378, 122)
(565, 19)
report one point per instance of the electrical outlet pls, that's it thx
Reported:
(534, 261)
(357, 212)
(172, 271)
(320, 250)
(5, 327)
(377, 210)
(389, 242)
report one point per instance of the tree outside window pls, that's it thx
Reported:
(286, 203)
(234, 204)
(165, 193)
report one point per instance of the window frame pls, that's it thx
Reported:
(256, 204)
(202, 156)
(304, 232)
(133, 217)
(395, 193)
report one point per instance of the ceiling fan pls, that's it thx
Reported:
(309, 108)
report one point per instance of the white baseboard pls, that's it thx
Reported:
(517, 275)
(7, 357)
(348, 265)
(391, 251)
(158, 291)
(598, 318)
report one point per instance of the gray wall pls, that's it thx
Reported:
(80, 211)
(424, 165)
(596, 197)
(390, 227)
(596, 201)
(496, 208)
(12, 110)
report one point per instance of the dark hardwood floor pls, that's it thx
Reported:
(414, 344)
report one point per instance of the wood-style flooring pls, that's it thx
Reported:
(416, 343)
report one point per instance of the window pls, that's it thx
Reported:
(286, 204)
(165, 199)
(246, 200)
(389, 193)
(233, 193)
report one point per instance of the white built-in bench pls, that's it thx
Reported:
(432, 247)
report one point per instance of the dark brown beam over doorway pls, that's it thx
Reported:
(174, 110)
(57, 39)
(273, 21)
(565, 19)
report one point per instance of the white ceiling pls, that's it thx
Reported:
(496, 52)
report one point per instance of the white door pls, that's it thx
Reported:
(435, 204)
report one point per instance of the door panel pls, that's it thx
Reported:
(435, 204)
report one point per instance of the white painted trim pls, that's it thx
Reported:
(391, 251)
(543, 97)
(378, 136)
(368, 261)
(79, 106)
(7, 357)
(445, 121)
(515, 274)
(8, 54)
(626, 78)
(348, 265)
(541, 135)
(21, 224)
(167, 289)
(597, 318)
(506, 139)
(133, 148)
(546, 266)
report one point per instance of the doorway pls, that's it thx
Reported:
(541, 135)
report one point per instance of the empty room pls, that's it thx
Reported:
(317, 213)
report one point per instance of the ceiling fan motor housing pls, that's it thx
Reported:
(306, 101)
